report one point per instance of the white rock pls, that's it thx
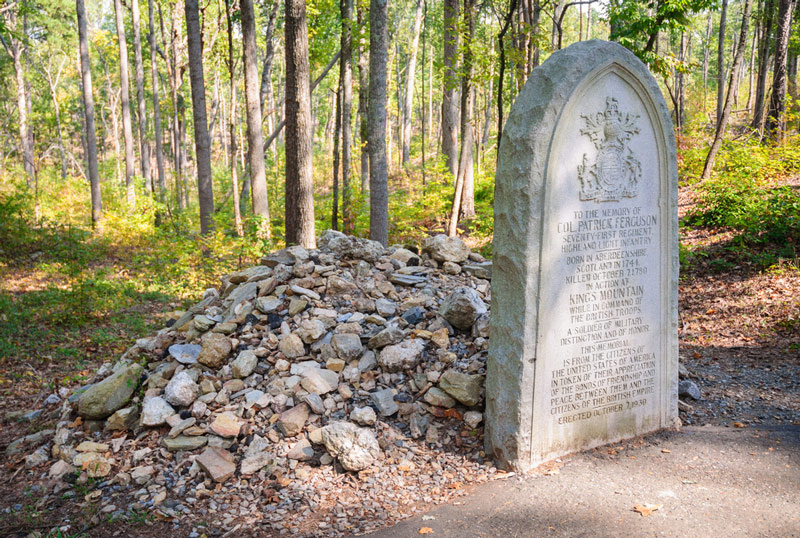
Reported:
(181, 390)
(155, 411)
(357, 448)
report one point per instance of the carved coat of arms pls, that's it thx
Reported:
(615, 172)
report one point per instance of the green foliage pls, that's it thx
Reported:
(743, 196)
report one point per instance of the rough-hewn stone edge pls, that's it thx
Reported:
(519, 181)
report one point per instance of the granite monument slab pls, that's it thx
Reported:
(583, 348)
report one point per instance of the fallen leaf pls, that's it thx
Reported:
(426, 530)
(452, 413)
(666, 450)
(739, 425)
(646, 509)
(552, 472)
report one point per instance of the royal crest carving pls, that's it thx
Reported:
(615, 172)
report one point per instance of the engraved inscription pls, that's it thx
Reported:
(607, 353)
(615, 172)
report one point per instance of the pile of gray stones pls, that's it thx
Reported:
(346, 364)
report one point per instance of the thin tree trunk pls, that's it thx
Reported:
(202, 145)
(410, 79)
(346, 76)
(127, 128)
(16, 52)
(681, 89)
(255, 133)
(237, 215)
(162, 178)
(751, 69)
(363, 97)
(759, 110)
(776, 122)
(88, 111)
(500, 75)
(466, 164)
(726, 111)
(336, 138)
(706, 53)
(721, 60)
(450, 113)
(266, 92)
(144, 150)
(423, 110)
(378, 172)
(299, 183)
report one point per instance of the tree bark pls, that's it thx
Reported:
(266, 94)
(450, 117)
(127, 128)
(466, 162)
(346, 76)
(706, 53)
(144, 149)
(721, 60)
(255, 132)
(726, 111)
(759, 109)
(299, 182)
(337, 133)
(16, 52)
(88, 111)
(202, 145)
(776, 122)
(363, 97)
(162, 178)
(378, 171)
(237, 215)
(408, 102)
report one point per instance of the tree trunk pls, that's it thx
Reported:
(16, 49)
(776, 122)
(266, 93)
(162, 178)
(144, 150)
(363, 96)
(127, 128)
(378, 172)
(337, 133)
(88, 111)
(299, 182)
(706, 52)
(751, 69)
(450, 111)
(411, 70)
(726, 111)
(255, 133)
(346, 76)
(759, 109)
(721, 60)
(202, 145)
(237, 215)
(466, 162)
(681, 89)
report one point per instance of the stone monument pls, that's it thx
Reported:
(584, 340)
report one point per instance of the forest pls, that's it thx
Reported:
(149, 150)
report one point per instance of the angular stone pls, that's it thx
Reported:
(385, 307)
(216, 348)
(217, 463)
(473, 418)
(181, 426)
(90, 446)
(226, 425)
(103, 398)
(357, 448)
(689, 389)
(181, 390)
(586, 181)
(345, 246)
(122, 419)
(314, 401)
(59, 469)
(403, 356)
(203, 323)
(244, 364)
(482, 270)
(268, 304)
(301, 451)
(388, 336)
(292, 421)
(292, 346)
(185, 353)
(447, 249)
(314, 382)
(463, 387)
(297, 305)
(384, 401)
(183, 442)
(462, 307)
(310, 330)
(155, 411)
(364, 416)
(256, 457)
(439, 398)
(347, 346)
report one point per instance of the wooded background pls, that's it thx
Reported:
(273, 120)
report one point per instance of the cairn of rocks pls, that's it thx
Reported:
(341, 357)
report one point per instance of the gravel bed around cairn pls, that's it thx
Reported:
(323, 392)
